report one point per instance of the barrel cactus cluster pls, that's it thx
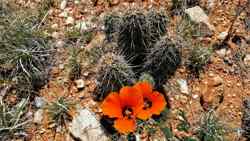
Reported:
(142, 47)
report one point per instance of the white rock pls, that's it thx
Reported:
(86, 127)
(223, 35)
(60, 44)
(39, 102)
(183, 86)
(63, 4)
(70, 20)
(221, 52)
(247, 60)
(54, 26)
(197, 15)
(55, 35)
(38, 116)
(80, 84)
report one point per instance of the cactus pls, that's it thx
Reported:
(113, 73)
(157, 21)
(199, 57)
(163, 60)
(74, 65)
(133, 38)
(111, 25)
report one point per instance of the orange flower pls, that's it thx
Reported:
(154, 102)
(124, 107)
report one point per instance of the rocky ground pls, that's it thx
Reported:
(219, 89)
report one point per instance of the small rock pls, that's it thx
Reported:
(183, 86)
(217, 80)
(60, 44)
(223, 35)
(61, 66)
(247, 60)
(39, 102)
(63, 4)
(86, 127)
(80, 84)
(64, 14)
(70, 20)
(197, 15)
(54, 26)
(55, 35)
(38, 116)
(221, 52)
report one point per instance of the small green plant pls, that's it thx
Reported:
(184, 125)
(211, 129)
(13, 121)
(199, 57)
(74, 65)
(113, 73)
(134, 36)
(163, 60)
(59, 111)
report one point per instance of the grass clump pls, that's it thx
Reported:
(113, 73)
(24, 54)
(211, 129)
(162, 60)
(74, 65)
(199, 57)
(59, 111)
(13, 121)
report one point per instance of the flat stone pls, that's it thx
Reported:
(198, 15)
(223, 35)
(86, 127)
(38, 116)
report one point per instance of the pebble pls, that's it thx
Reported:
(63, 4)
(60, 44)
(217, 80)
(54, 26)
(61, 66)
(55, 35)
(39, 102)
(70, 21)
(183, 86)
(80, 84)
(38, 116)
(64, 14)
(223, 35)
(247, 60)
(221, 52)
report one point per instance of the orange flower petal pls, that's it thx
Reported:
(145, 87)
(131, 97)
(111, 106)
(125, 125)
(158, 105)
(144, 114)
(158, 102)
